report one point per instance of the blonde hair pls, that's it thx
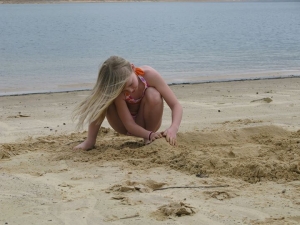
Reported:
(112, 78)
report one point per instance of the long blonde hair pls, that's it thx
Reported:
(112, 78)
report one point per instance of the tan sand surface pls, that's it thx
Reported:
(237, 161)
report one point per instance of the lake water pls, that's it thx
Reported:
(59, 47)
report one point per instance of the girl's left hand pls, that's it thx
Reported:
(170, 136)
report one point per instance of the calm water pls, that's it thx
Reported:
(59, 47)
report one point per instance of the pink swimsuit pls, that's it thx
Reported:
(128, 98)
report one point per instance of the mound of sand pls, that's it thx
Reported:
(253, 154)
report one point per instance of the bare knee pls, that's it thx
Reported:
(114, 119)
(111, 111)
(153, 97)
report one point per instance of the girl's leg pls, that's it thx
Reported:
(151, 110)
(149, 115)
(114, 119)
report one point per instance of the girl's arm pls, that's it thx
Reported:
(155, 80)
(93, 130)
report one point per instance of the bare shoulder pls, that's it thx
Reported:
(154, 79)
(149, 70)
(151, 75)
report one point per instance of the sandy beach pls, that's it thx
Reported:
(237, 161)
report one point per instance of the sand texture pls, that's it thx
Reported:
(237, 161)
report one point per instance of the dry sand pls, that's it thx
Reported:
(237, 161)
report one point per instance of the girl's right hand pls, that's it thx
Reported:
(86, 145)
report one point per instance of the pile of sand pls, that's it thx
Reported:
(253, 154)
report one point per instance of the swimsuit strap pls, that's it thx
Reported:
(144, 81)
(139, 72)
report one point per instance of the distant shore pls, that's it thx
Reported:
(99, 1)
(170, 84)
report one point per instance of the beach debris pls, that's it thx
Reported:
(267, 100)
(176, 209)
(118, 197)
(153, 184)
(220, 195)
(271, 91)
(129, 217)
(201, 175)
(212, 186)
(18, 116)
(121, 188)
(126, 189)
(21, 115)
(131, 186)
(64, 184)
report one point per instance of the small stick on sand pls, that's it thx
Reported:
(129, 217)
(218, 186)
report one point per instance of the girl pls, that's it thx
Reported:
(131, 99)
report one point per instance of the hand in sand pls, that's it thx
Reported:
(170, 135)
(153, 136)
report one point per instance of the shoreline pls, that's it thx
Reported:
(170, 84)
(113, 1)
